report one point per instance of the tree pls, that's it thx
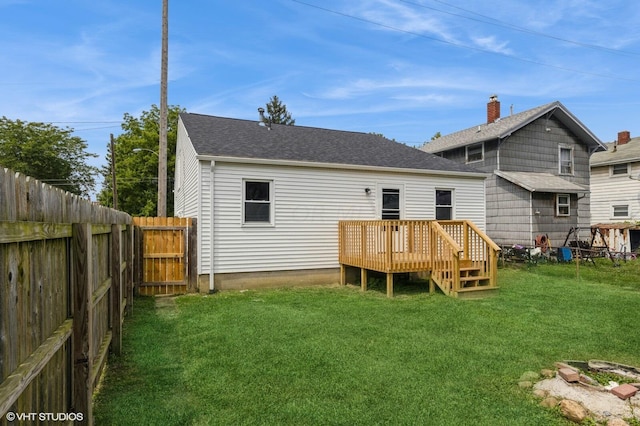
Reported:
(136, 155)
(436, 136)
(47, 153)
(277, 112)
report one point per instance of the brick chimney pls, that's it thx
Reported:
(493, 109)
(624, 137)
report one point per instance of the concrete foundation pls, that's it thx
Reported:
(270, 279)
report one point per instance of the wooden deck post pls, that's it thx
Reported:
(363, 279)
(389, 284)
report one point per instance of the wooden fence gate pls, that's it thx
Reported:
(166, 250)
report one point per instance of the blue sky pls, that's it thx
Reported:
(406, 69)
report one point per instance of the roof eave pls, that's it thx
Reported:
(294, 163)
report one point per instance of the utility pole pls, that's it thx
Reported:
(162, 152)
(113, 174)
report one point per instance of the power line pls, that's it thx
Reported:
(498, 23)
(465, 46)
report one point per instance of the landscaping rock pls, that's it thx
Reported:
(540, 393)
(573, 410)
(549, 402)
(560, 365)
(525, 384)
(529, 376)
(617, 422)
(545, 372)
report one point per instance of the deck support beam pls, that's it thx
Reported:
(389, 284)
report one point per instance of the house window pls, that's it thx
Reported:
(258, 205)
(444, 204)
(620, 169)
(621, 210)
(566, 161)
(475, 152)
(563, 205)
(390, 203)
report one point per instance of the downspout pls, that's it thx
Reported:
(212, 287)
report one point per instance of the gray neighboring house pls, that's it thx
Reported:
(539, 165)
(268, 198)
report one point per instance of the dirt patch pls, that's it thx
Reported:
(602, 404)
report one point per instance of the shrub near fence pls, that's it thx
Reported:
(65, 282)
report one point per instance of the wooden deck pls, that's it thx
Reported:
(460, 259)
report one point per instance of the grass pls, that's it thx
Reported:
(339, 356)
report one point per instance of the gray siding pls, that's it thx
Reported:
(533, 149)
(508, 212)
(547, 223)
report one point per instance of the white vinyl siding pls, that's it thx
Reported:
(609, 190)
(308, 204)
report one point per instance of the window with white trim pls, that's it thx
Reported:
(620, 211)
(475, 152)
(257, 203)
(444, 204)
(566, 160)
(563, 205)
(390, 203)
(620, 169)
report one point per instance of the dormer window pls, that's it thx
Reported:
(475, 152)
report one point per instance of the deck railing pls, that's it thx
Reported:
(442, 247)
(385, 245)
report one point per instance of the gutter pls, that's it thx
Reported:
(294, 163)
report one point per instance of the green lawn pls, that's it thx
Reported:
(335, 355)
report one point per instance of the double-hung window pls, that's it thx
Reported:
(566, 160)
(257, 202)
(620, 169)
(563, 205)
(620, 211)
(444, 204)
(475, 152)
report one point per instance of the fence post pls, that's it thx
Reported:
(116, 289)
(82, 320)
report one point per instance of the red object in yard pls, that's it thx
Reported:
(569, 375)
(625, 391)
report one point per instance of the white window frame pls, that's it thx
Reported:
(472, 146)
(613, 211)
(567, 205)
(572, 165)
(613, 167)
(381, 189)
(452, 206)
(271, 202)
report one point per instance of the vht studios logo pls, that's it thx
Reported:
(44, 417)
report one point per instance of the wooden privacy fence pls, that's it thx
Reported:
(166, 255)
(66, 283)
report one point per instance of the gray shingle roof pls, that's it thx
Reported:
(541, 182)
(505, 126)
(229, 137)
(628, 152)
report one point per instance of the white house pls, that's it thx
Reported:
(268, 197)
(615, 193)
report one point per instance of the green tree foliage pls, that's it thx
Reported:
(277, 112)
(47, 153)
(436, 136)
(137, 163)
